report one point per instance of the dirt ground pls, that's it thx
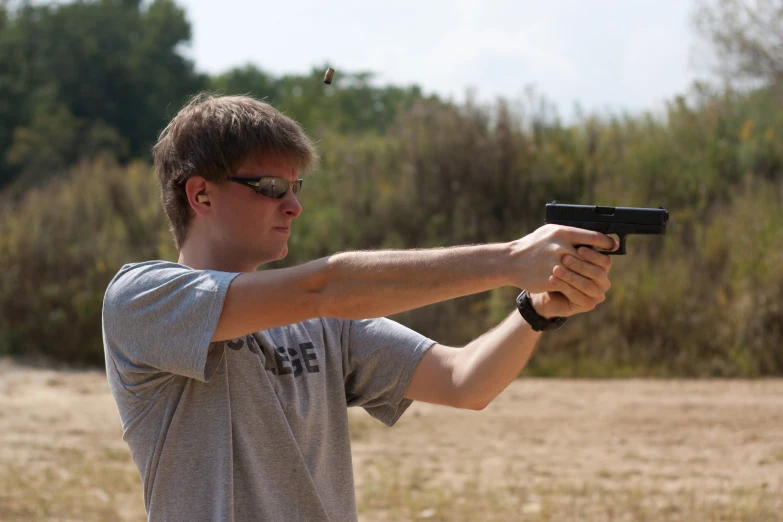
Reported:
(544, 450)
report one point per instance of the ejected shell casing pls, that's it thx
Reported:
(328, 76)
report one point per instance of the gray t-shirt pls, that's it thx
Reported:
(255, 428)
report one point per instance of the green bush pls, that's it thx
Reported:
(704, 300)
(61, 245)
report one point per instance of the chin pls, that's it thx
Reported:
(269, 257)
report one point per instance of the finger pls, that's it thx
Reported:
(578, 301)
(583, 284)
(596, 258)
(589, 270)
(579, 236)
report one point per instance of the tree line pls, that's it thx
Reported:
(86, 86)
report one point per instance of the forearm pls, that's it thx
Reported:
(354, 285)
(359, 285)
(487, 365)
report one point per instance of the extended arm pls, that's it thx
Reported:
(358, 285)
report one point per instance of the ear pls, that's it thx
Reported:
(197, 190)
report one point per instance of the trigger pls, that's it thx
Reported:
(621, 250)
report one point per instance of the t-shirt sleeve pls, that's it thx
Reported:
(161, 316)
(380, 356)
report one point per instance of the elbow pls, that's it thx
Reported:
(471, 401)
(319, 304)
(476, 406)
(466, 393)
(328, 294)
(314, 284)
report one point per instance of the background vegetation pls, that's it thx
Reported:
(86, 86)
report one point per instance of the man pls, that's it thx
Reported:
(232, 384)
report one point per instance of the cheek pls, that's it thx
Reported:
(252, 217)
(236, 223)
(236, 216)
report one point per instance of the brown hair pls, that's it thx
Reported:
(212, 136)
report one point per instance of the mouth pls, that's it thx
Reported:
(286, 230)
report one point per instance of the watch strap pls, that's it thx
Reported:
(536, 321)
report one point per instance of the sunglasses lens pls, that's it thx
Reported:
(274, 188)
(297, 187)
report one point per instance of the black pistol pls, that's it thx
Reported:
(622, 221)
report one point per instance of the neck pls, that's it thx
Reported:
(203, 256)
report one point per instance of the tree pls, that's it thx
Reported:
(746, 36)
(112, 68)
(351, 104)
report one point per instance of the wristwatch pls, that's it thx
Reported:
(538, 323)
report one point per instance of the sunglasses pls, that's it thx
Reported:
(270, 186)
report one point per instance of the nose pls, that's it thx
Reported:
(290, 206)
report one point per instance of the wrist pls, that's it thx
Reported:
(505, 264)
(540, 304)
(513, 252)
(536, 318)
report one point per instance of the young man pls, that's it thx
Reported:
(232, 384)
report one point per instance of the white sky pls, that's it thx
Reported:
(608, 55)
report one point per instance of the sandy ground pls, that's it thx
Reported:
(544, 450)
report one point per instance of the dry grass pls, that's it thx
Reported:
(389, 494)
(547, 450)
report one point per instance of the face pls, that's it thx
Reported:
(250, 227)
